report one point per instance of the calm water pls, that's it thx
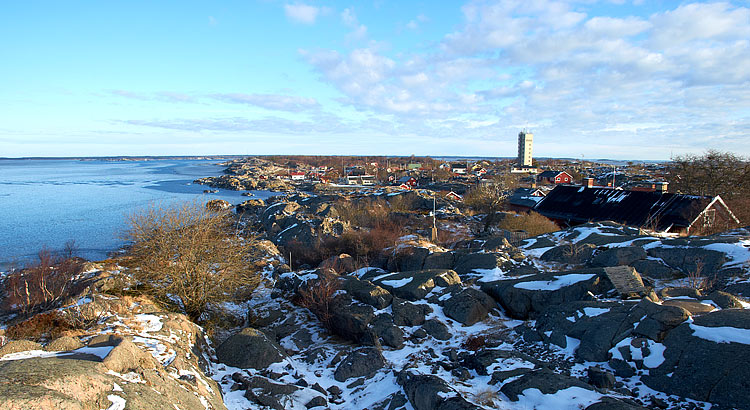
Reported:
(48, 202)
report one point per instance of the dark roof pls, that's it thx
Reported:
(525, 197)
(654, 210)
(550, 174)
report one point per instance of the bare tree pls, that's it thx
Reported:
(190, 254)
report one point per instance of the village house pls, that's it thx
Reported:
(554, 177)
(458, 168)
(525, 199)
(656, 211)
(297, 176)
(407, 180)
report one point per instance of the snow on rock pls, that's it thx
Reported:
(118, 403)
(558, 283)
(721, 334)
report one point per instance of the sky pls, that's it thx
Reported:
(618, 79)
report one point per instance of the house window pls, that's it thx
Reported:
(709, 217)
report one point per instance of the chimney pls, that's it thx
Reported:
(588, 182)
(662, 186)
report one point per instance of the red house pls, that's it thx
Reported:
(407, 180)
(554, 177)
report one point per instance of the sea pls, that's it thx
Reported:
(45, 203)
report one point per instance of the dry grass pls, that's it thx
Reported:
(41, 327)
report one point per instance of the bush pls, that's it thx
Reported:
(364, 245)
(363, 212)
(191, 255)
(533, 223)
(317, 295)
(43, 285)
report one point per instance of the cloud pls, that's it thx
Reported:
(414, 24)
(270, 101)
(594, 80)
(359, 31)
(302, 13)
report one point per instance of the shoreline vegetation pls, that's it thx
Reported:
(396, 295)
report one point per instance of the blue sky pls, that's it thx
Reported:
(603, 79)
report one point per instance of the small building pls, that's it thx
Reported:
(525, 199)
(656, 211)
(458, 168)
(554, 177)
(297, 176)
(408, 180)
(454, 196)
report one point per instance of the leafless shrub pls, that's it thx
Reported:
(190, 254)
(474, 343)
(317, 295)
(43, 285)
(697, 280)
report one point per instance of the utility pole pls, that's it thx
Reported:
(434, 217)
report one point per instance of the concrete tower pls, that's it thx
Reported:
(525, 142)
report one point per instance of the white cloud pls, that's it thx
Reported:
(349, 18)
(270, 101)
(302, 13)
(594, 80)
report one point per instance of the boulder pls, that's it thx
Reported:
(707, 360)
(249, 348)
(390, 334)
(351, 320)
(673, 292)
(437, 329)
(409, 314)
(63, 344)
(439, 260)
(408, 259)
(657, 319)
(339, 264)
(415, 285)
(569, 253)
(17, 346)
(543, 380)
(363, 362)
(693, 306)
(469, 262)
(598, 326)
(526, 297)
(250, 207)
(367, 292)
(690, 260)
(618, 256)
(725, 300)
(469, 306)
(428, 392)
(600, 378)
(655, 269)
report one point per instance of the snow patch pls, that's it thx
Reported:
(722, 334)
(558, 283)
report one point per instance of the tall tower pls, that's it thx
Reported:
(525, 142)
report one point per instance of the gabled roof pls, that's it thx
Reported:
(551, 174)
(655, 210)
